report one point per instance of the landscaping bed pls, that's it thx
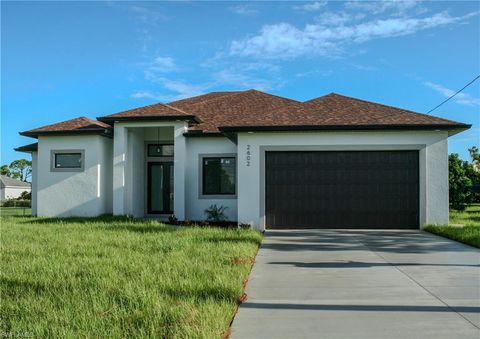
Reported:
(120, 277)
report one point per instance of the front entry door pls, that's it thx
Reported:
(160, 187)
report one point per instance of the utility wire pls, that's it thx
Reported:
(444, 101)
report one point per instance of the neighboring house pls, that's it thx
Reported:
(12, 188)
(333, 161)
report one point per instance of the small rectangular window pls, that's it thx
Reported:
(158, 150)
(219, 175)
(71, 160)
(68, 160)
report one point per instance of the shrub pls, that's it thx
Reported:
(216, 214)
(244, 226)
(25, 196)
(16, 203)
(172, 219)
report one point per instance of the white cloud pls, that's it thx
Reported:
(461, 98)
(311, 6)
(334, 18)
(156, 70)
(361, 67)
(163, 64)
(377, 7)
(237, 79)
(146, 14)
(314, 72)
(244, 10)
(147, 95)
(284, 40)
(171, 90)
(164, 73)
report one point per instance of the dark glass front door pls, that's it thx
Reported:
(160, 188)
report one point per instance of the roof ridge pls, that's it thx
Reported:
(226, 93)
(199, 95)
(95, 121)
(174, 108)
(271, 95)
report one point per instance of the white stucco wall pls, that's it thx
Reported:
(195, 205)
(433, 164)
(84, 193)
(12, 192)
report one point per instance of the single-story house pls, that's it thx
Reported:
(330, 162)
(12, 188)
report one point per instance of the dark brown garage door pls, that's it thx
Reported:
(374, 189)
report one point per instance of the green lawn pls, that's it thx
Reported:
(469, 230)
(117, 277)
(9, 211)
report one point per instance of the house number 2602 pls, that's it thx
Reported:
(249, 155)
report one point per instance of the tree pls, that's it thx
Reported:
(4, 170)
(21, 169)
(462, 178)
(475, 155)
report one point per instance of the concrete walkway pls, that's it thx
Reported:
(361, 284)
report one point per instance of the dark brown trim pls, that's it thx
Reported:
(28, 148)
(109, 120)
(226, 129)
(200, 134)
(106, 132)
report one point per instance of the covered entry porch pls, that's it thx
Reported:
(149, 169)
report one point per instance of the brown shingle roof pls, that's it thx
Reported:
(81, 125)
(336, 109)
(242, 110)
(151, 112)
(252, 109)
(237, 108)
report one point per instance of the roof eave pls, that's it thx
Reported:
(111, 120)
(200, 134)
(285, 128)
(30, 148)
(107, 132)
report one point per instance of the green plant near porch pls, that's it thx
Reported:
(216, 213)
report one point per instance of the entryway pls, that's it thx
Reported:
(160, 187)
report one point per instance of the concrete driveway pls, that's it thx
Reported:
(361, 284)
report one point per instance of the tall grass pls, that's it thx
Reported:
(114, 277)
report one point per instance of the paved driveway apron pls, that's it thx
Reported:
(361, 284)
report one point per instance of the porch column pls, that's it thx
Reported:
(119, 169)
(179, 164)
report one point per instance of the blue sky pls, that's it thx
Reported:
(61, 60)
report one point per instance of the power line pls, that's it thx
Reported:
(444, 101)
